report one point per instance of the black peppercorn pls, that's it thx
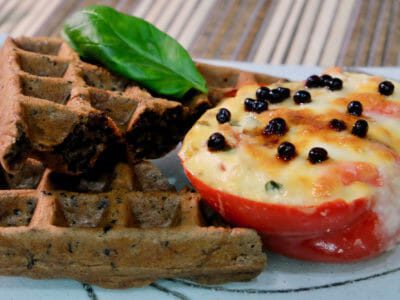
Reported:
(335, 84)
(285, 92)
(338, 125)
(360, 128)
(317, 155)
(386, 88)
(261, 106)
(313, 81)
(286, 151)
(355, 108)
(255, 105)
(302, 97)
(262, 93)
(276, 126)
(275, 96)
(223, 116)
(278, 95)
(216, 142)
(325, 80)
(249, 104)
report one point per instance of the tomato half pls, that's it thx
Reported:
(359, 240)
(335, 231)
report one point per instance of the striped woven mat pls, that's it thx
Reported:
(310, 32)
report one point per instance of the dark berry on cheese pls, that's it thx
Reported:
(275, 96)
(335, 84)
(262, 93)
(302, 97)
(355, 108)
(276, 126)
(386, 88)
(249, 104)
(360, 128)
(286, 151)
(337, 124)
(255, 105)
(216, 142)
(285, 92)
(278, 95)
(313, 81)
(325, 80)
(223, 116)
(317, 155)
(261, 106)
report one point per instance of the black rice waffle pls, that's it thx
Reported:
(116, 229)
(65, 112)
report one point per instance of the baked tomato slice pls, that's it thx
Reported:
(333, 196)
(335, 231)
(273, 218)
(359, 240)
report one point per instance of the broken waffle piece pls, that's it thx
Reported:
(132, 231)
(28, 177)
(40, 117)
(51, 100)
(65, 112)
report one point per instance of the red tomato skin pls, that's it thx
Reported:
(358, 241)
(281, 219)
(334, 231)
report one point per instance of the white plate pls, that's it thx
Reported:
(284, 278)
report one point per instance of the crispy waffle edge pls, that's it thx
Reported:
(132, 231)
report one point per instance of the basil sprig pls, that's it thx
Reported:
(133, 48)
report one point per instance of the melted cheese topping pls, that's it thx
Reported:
(355, 166)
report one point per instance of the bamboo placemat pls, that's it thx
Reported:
(310, 32)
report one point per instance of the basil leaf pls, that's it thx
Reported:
(273, 186)
(133, 48)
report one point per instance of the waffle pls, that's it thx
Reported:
(223, 81)
(121, 228)
(64, 112)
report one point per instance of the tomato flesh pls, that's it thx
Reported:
(356, 241)
(334, 231)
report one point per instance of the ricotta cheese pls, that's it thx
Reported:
(356, 168)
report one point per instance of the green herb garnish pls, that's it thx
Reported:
(133, 48)
(273, 186)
